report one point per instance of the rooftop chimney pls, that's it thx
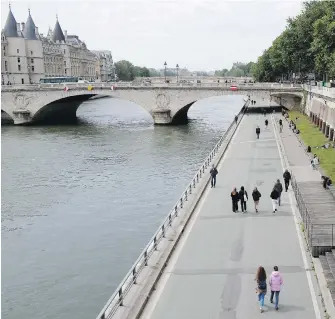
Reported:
(36, 30)
(18, 27)
(65, 34)
(22, 26)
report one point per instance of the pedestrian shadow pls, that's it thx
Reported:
(239, 215)
(286, 308)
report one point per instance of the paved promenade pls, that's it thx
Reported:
(211, 275)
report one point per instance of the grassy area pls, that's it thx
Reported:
(311, 135)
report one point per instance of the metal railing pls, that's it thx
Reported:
(317, 235)
(130, 279)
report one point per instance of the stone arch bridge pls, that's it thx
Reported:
(167, 104)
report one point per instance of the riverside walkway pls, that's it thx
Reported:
(211, 273)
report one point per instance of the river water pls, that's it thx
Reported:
(79, 203)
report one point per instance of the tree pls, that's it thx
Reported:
(124, 70)
(306, 45)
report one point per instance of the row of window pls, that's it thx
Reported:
(17, 51)
(19, 60)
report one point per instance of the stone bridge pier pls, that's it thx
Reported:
(167, 105)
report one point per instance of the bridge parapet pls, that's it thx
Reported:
(118, 85)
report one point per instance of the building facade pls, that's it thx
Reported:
(21, 52)
(105, 70)
(27, 56)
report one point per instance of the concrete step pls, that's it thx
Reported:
(327, 262)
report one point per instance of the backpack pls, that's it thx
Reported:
(262, 285)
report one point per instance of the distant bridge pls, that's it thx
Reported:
(167, 104)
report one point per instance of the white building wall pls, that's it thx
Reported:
(17, 61)
(35, 60)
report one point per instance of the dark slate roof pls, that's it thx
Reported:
(10, 28)
(58, 34)
(29, 29)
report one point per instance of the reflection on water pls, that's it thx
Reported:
(80, 202)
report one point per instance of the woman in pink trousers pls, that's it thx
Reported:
(275, 282)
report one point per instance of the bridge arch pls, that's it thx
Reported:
(63, 110)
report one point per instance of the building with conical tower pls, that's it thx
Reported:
(21, 52)
(28, 56)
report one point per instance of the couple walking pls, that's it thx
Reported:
(242, 196)
(275, 283)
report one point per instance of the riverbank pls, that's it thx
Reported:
(311, 135)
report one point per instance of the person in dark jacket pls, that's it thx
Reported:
(287, 178)
(213, 173)
(279, 188)
(280, 125)
(243, 195)
(258, 131)
(266, 123)
(274, 197)
(234, 198)
(256, 195)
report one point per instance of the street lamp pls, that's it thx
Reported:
(165, 64)
(177, 67)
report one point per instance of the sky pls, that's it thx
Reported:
(196, 34)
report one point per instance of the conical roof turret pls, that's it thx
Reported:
(58, 34)
(29, 29)
(10, 28)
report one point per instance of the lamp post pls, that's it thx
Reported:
(177, 67)
(165, 64)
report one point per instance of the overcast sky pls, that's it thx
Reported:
(197, 34)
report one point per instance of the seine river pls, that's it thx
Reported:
(79, 203)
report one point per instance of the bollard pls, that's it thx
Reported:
(176, 211)
(190, 189)
(181, 203)
(186, 196)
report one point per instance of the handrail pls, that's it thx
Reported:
(116, 300)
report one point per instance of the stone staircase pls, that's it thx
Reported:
(328, 265)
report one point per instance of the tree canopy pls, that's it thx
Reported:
(307, 46)
(126, 71)
(238, 69)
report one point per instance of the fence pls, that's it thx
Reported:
(320, 237)
(130, 279)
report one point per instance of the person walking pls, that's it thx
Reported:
(243, 195)
(275, 282)
(266, 123)
(213, 173)
(261, 286)
(279, 188)
(274, 197)
(234, 198)
(258, 131)
(280, 125)
(256, 195)
(287, 178)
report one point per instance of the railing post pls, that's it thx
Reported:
(203, 169)
(186, 196)
(194, 183)
(197, 178)
(190, 188)
(170, 220)
(176, 211)
(181, 203)
(163, 231)
(121, 297)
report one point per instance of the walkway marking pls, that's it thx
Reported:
(254, 141)
(150, 307)
(296, 222)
